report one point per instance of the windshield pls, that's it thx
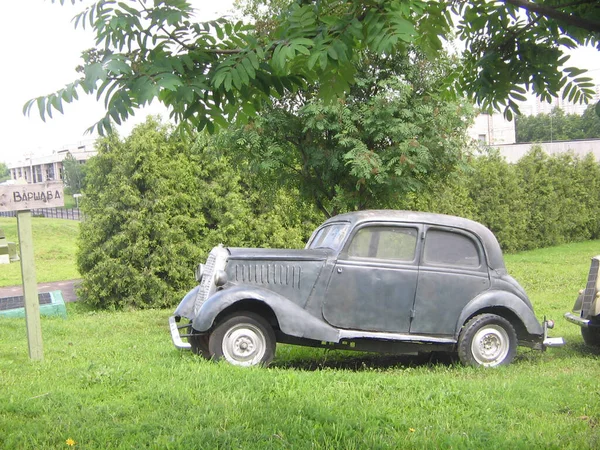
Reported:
(330, 236)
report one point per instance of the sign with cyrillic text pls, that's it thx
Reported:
(19, 197)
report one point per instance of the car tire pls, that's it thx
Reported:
(199, 343)
(243, 339)
(591, 336)
(487, 340)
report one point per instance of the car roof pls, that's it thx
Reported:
(487, 238)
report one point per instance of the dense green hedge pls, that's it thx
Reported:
(540, 201)
(156, 203)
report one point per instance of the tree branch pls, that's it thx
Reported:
(554, 13)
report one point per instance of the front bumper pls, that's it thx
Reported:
(577, 320)
(176, 336)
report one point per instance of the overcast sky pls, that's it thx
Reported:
(40, 50)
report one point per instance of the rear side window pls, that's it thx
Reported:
(448, 248)
(395, 243)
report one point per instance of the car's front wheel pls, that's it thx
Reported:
(487, 340)
(199, 343)
(243, 339)
(591, 336)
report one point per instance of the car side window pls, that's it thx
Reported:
(450, 249)
(394, 243)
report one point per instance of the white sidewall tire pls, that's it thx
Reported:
(487, 340)
(243, 339)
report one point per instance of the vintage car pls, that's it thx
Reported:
(382, 281)
(586, 311)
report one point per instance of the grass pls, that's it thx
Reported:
(113, 380)
(54, 246)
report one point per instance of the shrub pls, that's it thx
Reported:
(156, 204)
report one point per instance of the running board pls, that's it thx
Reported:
(403, 337)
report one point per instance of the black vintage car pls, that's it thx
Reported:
(586, 311)
(383, 281)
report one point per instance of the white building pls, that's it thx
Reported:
(493, 129)
(37, 169)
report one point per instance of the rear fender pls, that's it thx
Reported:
(292, 319)
(501, 299)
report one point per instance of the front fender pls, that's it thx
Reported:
(186, 306)
(501, 299)
(293, 320)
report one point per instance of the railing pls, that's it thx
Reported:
(50, 213)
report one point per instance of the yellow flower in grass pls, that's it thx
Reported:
(412, 430)
(71, 442)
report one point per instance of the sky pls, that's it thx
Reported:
(40, 50)
(39, 56)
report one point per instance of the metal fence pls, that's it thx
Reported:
(51, 213)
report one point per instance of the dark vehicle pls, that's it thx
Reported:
(380, 281)
(586, 311)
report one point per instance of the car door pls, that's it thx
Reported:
(374, 281)
(453, 270)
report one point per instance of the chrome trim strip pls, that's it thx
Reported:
(177, 341)
(577, 320)
(353, 334)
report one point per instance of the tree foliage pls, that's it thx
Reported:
(74, 174)
(156, 203)
(4, 172)
(216, 72)
(393, 134)
(558, 126)
(540, 201)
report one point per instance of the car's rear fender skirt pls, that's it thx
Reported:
(292, 319)
(496, 302)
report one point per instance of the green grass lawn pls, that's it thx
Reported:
(54, 246)
(114, 380)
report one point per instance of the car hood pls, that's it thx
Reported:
(277, 254)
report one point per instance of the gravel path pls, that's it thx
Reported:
(67, 289)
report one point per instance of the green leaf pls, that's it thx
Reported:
(332, 52)
(41, 103)
(249, 68)
(57, 103)
(117, 66)
(169, 81)
(323, 60)
(94, 72)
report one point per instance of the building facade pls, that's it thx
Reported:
(37, 169)
(493, 129)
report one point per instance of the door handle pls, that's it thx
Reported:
(339, 270)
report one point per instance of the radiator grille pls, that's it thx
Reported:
(590, 289)
(216, 261)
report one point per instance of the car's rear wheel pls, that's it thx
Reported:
(487, 340)
(591, 336)
(243, 339)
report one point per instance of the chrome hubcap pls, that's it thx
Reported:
(490, 345)
(244, 345)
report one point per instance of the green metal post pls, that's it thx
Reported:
(32, 304)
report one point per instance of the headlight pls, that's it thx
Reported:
(220, 277)
(199, 272)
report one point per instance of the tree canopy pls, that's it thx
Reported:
(74, 174)
(392, 134)
(4, 172)
(558, 126)
(213, 73)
